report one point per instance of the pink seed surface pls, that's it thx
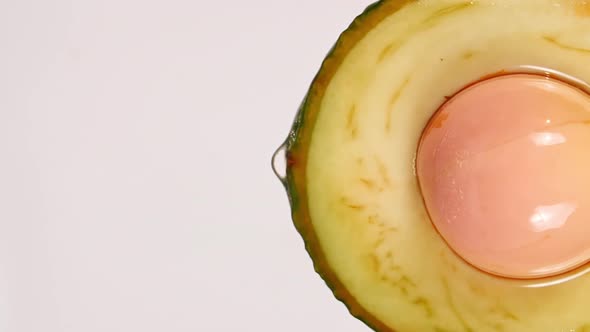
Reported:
(504, 169)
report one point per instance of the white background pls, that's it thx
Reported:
(136, 192)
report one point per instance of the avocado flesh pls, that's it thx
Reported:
(351, 177)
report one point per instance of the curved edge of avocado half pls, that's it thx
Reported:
(297, 145)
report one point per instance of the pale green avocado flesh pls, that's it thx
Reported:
(351, 179)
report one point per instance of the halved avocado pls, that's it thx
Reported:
(350, 163)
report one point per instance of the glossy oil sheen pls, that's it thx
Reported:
(504, 168)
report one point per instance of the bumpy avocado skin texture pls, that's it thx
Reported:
(297, 145)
